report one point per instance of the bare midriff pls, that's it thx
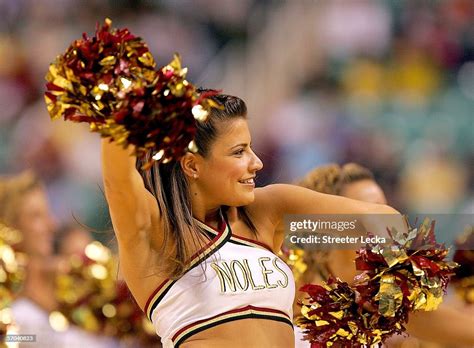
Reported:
(244, 333)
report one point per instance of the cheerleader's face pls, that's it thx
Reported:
(364, 190)
(227, 174)
(75, 242)
(36, 224)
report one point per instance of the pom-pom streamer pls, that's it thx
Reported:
(409, 274)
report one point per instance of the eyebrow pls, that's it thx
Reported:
(242, 144)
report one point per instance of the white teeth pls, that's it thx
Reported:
(248, 181)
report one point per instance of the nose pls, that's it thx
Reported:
(52, 224)
(256, 164)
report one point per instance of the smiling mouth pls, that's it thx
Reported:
(250, 181)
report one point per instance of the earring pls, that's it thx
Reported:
(195, 176)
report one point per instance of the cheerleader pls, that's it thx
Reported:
(197, 241)
(24, 206)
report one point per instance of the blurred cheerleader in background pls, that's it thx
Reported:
(72, 239)
(351, 181)
(24, 206)
(93, 295)
(446, 325)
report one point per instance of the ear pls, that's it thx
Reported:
(190, 164)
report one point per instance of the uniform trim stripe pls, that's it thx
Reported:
(250, 242)
(215, 244)
(245, 241)
(236, 314)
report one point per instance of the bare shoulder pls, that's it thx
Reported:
(268, 204)
(271, 199)
(270, 192)
(265, 203)
(274, 198)
(266, 214)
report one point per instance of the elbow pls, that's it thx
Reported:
(376, 209)
(119, 182)
(109, 187)
(386, 209)
(382, 218)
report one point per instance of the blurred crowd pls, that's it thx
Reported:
(387, 84)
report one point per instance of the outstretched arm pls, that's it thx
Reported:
(289, 199)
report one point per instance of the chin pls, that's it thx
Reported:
(240, 201)
(247, 199)
(45, 251)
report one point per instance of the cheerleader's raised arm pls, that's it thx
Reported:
(111, 82)
(135, 218)
(133, 209)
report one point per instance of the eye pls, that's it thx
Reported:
(239, 152)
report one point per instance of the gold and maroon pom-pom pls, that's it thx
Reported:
(463, 281)
(295, 259)
(91, 297)
(12, 274)
(110, 81)
(337, 313)
(407, 275)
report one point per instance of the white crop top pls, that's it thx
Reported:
(231, 278)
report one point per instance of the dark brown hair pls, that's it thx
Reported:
(168, 183)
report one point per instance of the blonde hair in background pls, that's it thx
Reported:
(332, 178)
(12, 191)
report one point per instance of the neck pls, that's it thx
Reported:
(202, 209)
(209, 216)
(39, 285)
